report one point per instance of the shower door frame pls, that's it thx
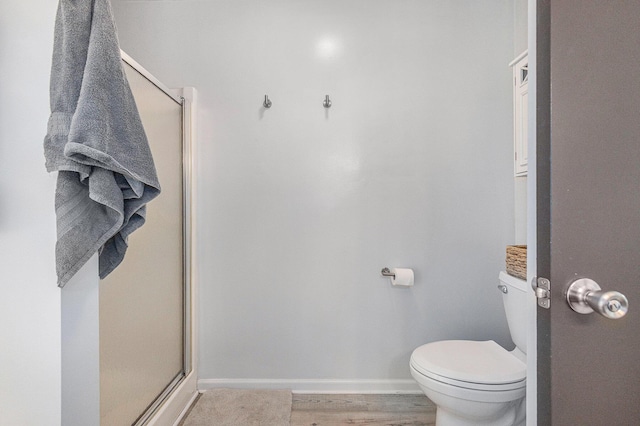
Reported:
(80, 309)
(172, 403)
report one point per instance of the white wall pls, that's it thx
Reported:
(412, 166)
(520, 39)
(520, 34)
(29, 297)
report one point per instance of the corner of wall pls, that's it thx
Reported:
(29, 297)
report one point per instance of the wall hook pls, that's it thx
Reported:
(267, 102)
(327, 102)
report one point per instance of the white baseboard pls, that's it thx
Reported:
(175, 407)
(317, 386)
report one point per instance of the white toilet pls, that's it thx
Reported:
(478, 383)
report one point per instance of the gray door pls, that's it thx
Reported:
(588, 157)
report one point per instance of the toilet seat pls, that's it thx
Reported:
(471, 365)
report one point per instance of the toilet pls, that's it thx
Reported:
(477, 383)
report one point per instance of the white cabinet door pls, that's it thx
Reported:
(520, 113)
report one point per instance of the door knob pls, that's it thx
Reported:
(585, 296)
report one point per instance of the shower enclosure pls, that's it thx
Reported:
(145, 313)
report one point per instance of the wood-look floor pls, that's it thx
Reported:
(374, 410)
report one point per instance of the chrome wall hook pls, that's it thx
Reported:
(327, 102)
(267, 102)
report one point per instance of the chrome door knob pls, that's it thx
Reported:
(585, 296)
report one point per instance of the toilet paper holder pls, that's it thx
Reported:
(387, 273)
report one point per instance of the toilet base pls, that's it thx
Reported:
(457, 412)
(512, 415)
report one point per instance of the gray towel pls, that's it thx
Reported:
(95, 140)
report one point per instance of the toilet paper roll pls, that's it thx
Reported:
(403, 277)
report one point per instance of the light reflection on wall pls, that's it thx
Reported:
(328, 47)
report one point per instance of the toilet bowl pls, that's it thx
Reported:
(475, 383)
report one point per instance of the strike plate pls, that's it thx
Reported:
(542, 289)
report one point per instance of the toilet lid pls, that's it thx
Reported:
(469, 361)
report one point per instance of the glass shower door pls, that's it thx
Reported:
(142, 303)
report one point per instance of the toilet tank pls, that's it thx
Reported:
(515, 307)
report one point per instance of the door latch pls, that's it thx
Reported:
(542, 289)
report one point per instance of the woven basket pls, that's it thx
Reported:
(517, 261)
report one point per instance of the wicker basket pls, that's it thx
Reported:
(517, 261)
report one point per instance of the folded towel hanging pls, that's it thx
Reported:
(95, 141)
